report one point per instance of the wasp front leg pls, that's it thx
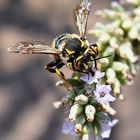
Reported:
(54, 67)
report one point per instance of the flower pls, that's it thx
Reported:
(102, 94)
(68, 127)
(92, 79)
(106, 128)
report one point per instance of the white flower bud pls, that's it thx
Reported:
(90, 112)
(111, 76)
(133, 33)
(57, 104)
(65, 101)
(109, 109)
(137, 11)
(114, 43)
(133, 68)
(81, 99)
(119, 32)
(117, 6)
(108, 51)
(114, 25)
(133, 2)
(121, 97)
(119, 66)
(126, 51)
(127, 75)
(59, 83)
(104, 38)
(127, 23)
(75, 110)
(103, 63)
(78, 128)
(117, 87)
(110, 13)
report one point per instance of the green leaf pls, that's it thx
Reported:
(76, 82)
(96, 127)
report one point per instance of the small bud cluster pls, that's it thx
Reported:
(88, 106)
(120, 41)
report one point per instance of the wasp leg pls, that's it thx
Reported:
(54, 67)
(95, 64)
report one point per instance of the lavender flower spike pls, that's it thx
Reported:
(92, 79)
(102, 94)
(68, 128)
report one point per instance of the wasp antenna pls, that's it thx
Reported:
(102, 57)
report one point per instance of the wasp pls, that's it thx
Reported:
(71, 50)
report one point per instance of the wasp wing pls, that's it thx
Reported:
(80, 14)
(33, 48)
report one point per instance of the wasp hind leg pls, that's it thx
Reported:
(54, 67)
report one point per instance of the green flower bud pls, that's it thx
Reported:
(137, 11)
(119, 32)
(109, 109)
(117, 7)
(133, 2)
(81, 99)
(110, 14)
(114, 25)
(104, 38)
(133, 33)
(75, 110)
(119, 66)
(126, 51)
(90, 112)
(111, 76)
(127, 24)
(103, 63)
(96, 32)
(114, 43)
(133, 68)
(110, 53)
(117, 87)
(81, 119)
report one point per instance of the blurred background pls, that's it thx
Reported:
(27, 91)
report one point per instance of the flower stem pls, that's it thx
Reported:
(79, 138)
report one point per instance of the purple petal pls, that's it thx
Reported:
(103, 88)
(99, 74)
(92, 79)
(88, 79)
(102, 94)
(106, 128)
(68, 128)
